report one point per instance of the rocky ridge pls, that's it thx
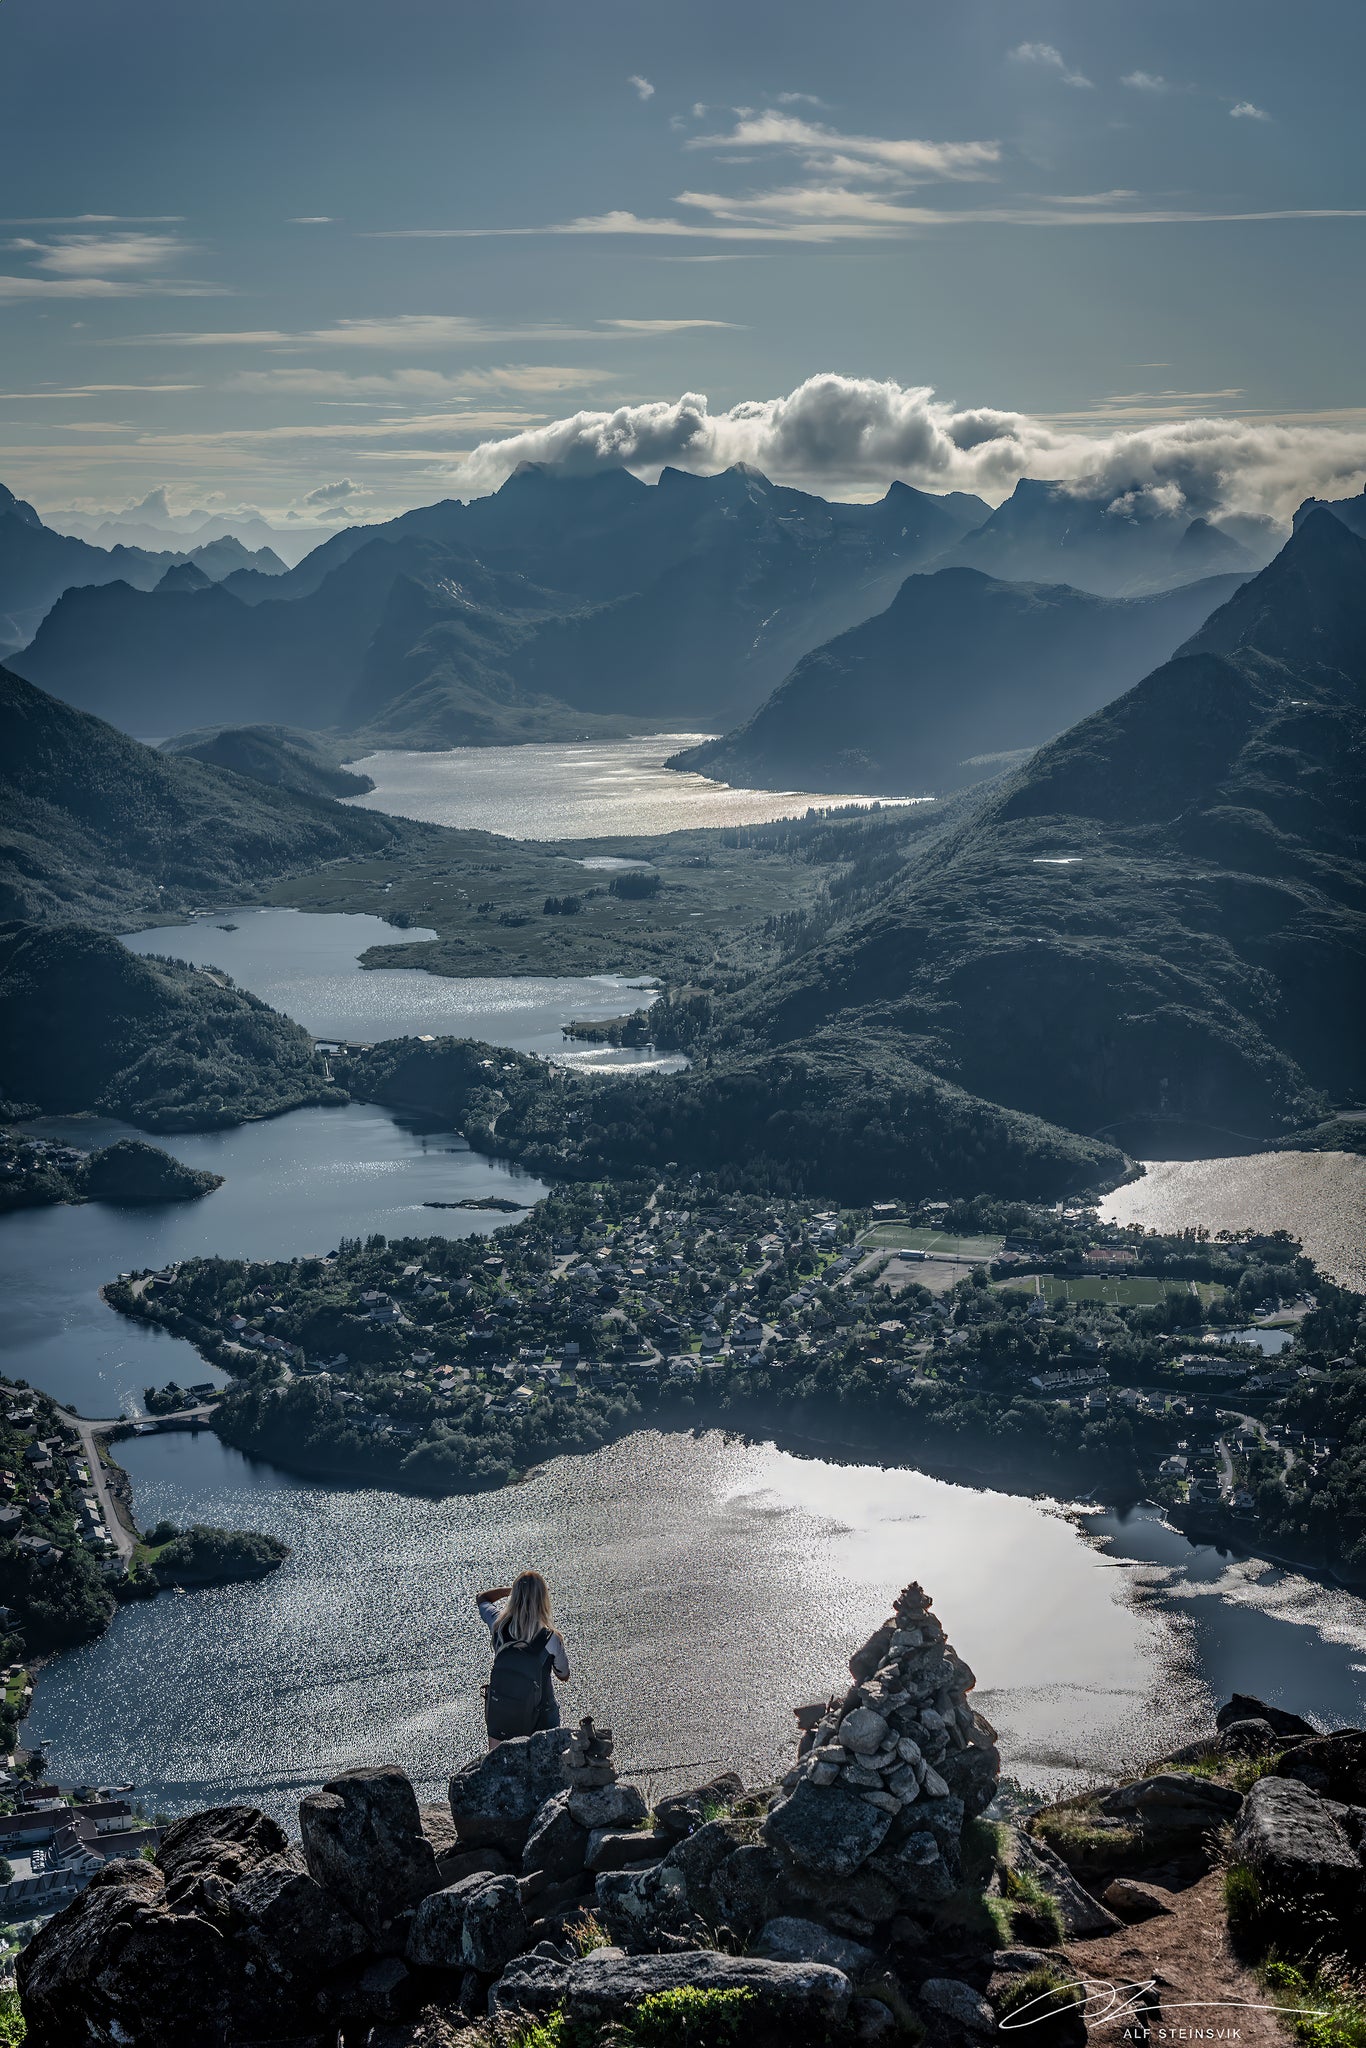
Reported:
(864, 1896)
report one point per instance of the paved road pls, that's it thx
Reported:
(89, 1429)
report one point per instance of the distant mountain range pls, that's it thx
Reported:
(1156, 931)
(94, 825)
(960, 671)
(1117, 546)
(37, 565)
(530, 613)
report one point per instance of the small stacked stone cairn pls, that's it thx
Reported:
(587, 1760)
(904, 1730)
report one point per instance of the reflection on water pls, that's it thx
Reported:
(306, 963)
(573, 792)
(1319, 1197)
(293, 1184)
(704, 1587)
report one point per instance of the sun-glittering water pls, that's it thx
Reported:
(582, 791)
(704, 1587)
(1319, 1197)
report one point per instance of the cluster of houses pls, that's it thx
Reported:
(54, 1839)
(48, 1482)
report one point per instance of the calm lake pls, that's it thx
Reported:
(306, 963)
(704, 1587)
(292, 1185)
(579, 791)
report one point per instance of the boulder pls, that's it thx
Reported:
(949, 1998)
(1334, 1765)
(791, 1940)
(457, 1863)
(375, 1993)
(616, 1848)
(222, 1842)
(115, 1965)
(363, 1842)
(1245, 1707)
(1173, 1803)
(295, 1929)
(826, 1829)
(867, 1660)
(681, 1812)
(1134, 1901)
(604, 1991)
(1297, 1848)
(494, 1800)
(477, 1924)
(608, 1806)
(556, 1844)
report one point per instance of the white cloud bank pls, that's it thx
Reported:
(853, 435)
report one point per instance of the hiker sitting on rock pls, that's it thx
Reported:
(520, 1697)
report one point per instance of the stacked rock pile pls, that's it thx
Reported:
(905, 1729)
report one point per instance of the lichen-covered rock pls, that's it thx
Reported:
(556, 1843)
(477, 1924)
(1080, 1913)
(363, 1842)
(294, 1929)
(826, 1828)
(117, 1966)
(1173, 1802)
(1133, 1900)
(607, 1806)
(494, 1800)
(618, 1848)
(789, 1939)
(1294, 1843)
(605, 1991)
(222, 1842)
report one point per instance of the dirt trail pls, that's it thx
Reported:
(1206, 1993)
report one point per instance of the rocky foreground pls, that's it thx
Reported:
(862, 1899)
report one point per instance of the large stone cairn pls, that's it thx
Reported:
(904, 1730)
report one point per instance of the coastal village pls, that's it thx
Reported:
(1185, 1368)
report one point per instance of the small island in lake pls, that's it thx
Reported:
(204, 1556)
(35, 1172)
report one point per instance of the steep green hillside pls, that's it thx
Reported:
(87, 1025)
(96, 825)
(959, 670)
(1157, 930)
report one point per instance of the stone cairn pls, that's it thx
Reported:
(904, 1730)
(586, 1764)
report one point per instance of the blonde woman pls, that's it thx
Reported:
(528, 1654)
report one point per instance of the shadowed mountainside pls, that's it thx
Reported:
(959, 670)
(1161, 920)
(98, 825)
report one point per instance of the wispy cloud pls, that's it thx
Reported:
(310, 220)
(14, 290)
(97, 255)
(1146, 81)
(1045, 57)
(1245, 111)
(908, 155)
(76, 220)
(643, 88)
(424, 331)
(412, 384)
(92, 390)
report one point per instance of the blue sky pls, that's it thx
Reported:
(340, 245)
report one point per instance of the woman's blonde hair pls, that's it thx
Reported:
(526, 1611)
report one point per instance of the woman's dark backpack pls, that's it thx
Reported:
(516, 1689)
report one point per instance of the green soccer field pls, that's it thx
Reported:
(1121, 1292)
(889, 1236)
